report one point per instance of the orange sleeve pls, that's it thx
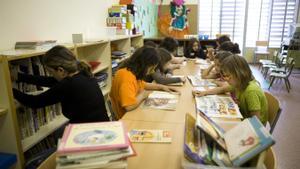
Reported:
(127, 93)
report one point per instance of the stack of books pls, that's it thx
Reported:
(101, 78)
(47, 44)
(206, 143)
(118, 54)
(94, 145)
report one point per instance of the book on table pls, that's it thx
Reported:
(88, 145)
(162, 100)
(197, 81)
(242, 143)
(154, 136)
(218, 106)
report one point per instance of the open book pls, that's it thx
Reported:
(218, 106)
(246, 140)
(162, 100)
(197, 81)
(154, 136)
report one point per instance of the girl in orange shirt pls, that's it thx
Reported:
(128, 87)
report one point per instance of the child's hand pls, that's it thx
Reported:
(145, 93)
(198, 93)
(169, 89)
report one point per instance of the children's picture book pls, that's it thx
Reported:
(197, 81)
(84, 137)
(201, 61)
(220, 157)
(208, 126)
(153, 136)
(218, 106)
(246, 140)
(162, 100)
(195, 147)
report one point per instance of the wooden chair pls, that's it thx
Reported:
(270, 159)
(261, 48)
(274, 110)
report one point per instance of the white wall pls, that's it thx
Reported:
(22, 20)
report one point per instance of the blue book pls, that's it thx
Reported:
(7, 160)
(246, 140)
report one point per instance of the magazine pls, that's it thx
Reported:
(197, 81)
(162, 100)
(155, 136)
(218, 106)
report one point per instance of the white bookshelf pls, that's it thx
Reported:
(43, 132)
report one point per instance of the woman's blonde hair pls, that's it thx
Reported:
(237, 67)
(60, 56)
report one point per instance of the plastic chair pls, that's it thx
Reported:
(261, 48)
(274, 110)
(283, 74)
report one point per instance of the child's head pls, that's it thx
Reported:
(165, 58)
(170, 44)
(194, 45)
(236, 71)
(150, 44)
(231, 47)
(143, 62)
(219, 57)
(222, 39)
(61, 62)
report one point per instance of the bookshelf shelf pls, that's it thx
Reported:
(3, 111)
(122, 59)
(43, 132)
(100, 68)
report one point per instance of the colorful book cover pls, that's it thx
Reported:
(220, 157)
(162, 100)
(246, 140)
(153, 136)
(218, 106)
(84, 137)
(211, 129)
(192, 141)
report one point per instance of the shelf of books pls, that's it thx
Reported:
(43, 132)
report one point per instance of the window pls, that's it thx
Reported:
(265, 19)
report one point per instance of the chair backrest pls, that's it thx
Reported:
(261, 46)
(270, 159)
(275, 56)
(290, 63)
(113, 115)
(274, 110)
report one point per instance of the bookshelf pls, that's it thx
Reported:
(9, 125)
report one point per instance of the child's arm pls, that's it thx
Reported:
(217, 90)
(208, 73)
(139, 98)
(154, 86)
(163, 79)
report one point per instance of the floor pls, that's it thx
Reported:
(287, 147)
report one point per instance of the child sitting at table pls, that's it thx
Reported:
(250, 97)
(220, 40)
(128, 86)
(211, 72)
(194, 50)
(162, 75)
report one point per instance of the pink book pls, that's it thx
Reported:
(89, 137)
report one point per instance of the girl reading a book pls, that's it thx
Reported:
(128, 87)
(171, 45)
(212, 72)
(72, 84)
(163, 75)
(194, 50)
(250, 97)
